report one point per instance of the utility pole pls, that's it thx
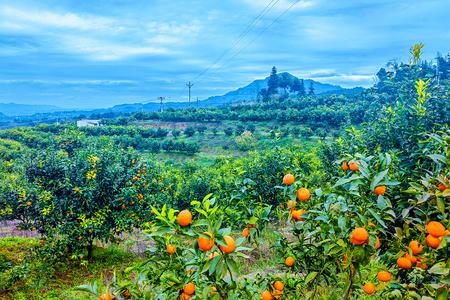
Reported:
(437, 68)
(161, 99)
(189, 85)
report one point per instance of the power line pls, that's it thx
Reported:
(189, 85)
(243, 34)
(260, 33)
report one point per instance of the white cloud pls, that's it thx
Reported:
(68, 82)
(61, 20)
(174, 28)
(97, 37)
(98, 49)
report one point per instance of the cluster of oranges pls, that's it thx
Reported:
(383, 276)
(205, 243)
(436, 231)
(276, 292)
(188, 291)
(303, 194)
(352, 166)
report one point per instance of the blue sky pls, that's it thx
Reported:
(98, 53)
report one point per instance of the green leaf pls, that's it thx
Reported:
(437, 158)
(439, 269)
(343, 181)
(377, 179)
(441, 205)
(311, 276)
(377, 217)
(201, 222)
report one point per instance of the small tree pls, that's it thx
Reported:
(189, 131)
(176, 133)
(273, 82)
(251, 127)
(73, 200)
(229, 131)
(311, 88)
(201, 129)
(239, 129)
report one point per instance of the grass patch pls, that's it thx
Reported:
(24, 276)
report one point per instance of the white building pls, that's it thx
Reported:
(88, 123)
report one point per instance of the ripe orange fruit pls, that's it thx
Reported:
(442, 187)
(380, 190)
(184, 296)
(404, 263)
(184, 218)
(353, 166)
(277, 294)
(231, 244)
(266, 295)
(415, 247)
(213, 291)
(123, 206)
(433, 241)
(288, 179)
(345, 166)
(291, 204)
(360, 234)
(278, 285)
(106, 296)
(245, 232)
(355, 241)
(436, 229)
(384, 276)
(204, 243)
(447, 233)
(126, 293)
(412, 259)
(29, 203)
(171, 249)
(303, 194)
(297, 214)
(212, 255)
(290, 261)
(377, 244)
(189, 288)
(369, 288)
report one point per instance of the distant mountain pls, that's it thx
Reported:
(246, 93)
(3, 116)
(13, 109)
(250, 92)
(243, 94)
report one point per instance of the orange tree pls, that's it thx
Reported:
(422, 234)
(71, 199)
(191, 253)
(340, 231)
